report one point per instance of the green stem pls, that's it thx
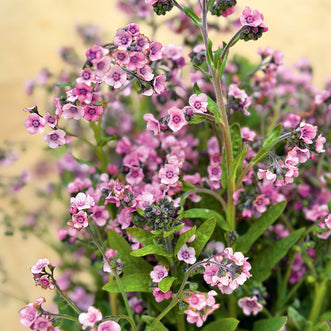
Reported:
(319, 291)
(98, 148)
(64, 316)
(66, 298)
(117, 278)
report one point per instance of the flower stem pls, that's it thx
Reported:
(98, 148)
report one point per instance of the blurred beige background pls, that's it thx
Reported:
(32, 31)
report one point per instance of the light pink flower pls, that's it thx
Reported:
(169, 174)
(92, 316)
(79, 221)
(199, 102)
(122, 39)
(247, 134)
(109, 326)
(55, 138)
(152, 123)
(308, 132)
(158, 273)
(92, 113)
(95, 53)
(251, 17)
(82, 201)
(135, 176)
(136, 60)
(146, 73)
(187, 254)
(159, 84)
(214, 172)
(40, 265)
(155, 51)
(319, 144)
(250, 305)
(35, 123)
(72, 111)
(82, 92)
(42, 323)
(177, 119)
(116, 77)
(159, 295)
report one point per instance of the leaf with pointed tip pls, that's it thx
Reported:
(136, 282)
(165, 284)
(224, 324)
(202, 235)
(151, 249)
(183, 238)
(270, 324)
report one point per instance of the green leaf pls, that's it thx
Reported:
(269, 257)
(202, 235)
(145, 237)
(259, 226)
(187, 186)
(237, 164)
(296, 320)
(223, 63)
(236, 139)
(135, 282)
(324, 326)
(132, 264)
(270, 324)
(212, 106)
(224, 324)
(217, 59)
(202, 70)
(206, 214)
(151, 249)
(157, 326)
(183, 238)
(166, 283)
(192, 15)
(197, 119)
(196, 89)
(269, 143)
(209, 52)
(105, 140)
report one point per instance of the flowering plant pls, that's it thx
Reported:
(197, 202)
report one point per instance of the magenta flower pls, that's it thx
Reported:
(251, 17)
(79, 220)
(308, 132)
(177, 119)
(82, 92)
(158, 273)
(169, 174)
(35, 123)
(122, 39)
(260, 203)
(116, 77)
(152, 123)
(45, 283)
(187, 254)
(95, 53)
(133, 29)
(109, 326)
(135, 176)
(92, 316)
(250, 305)
(159, 295)
(136, 60)
(198, 102)
(214, 172)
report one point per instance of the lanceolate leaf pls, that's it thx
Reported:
(202, 235)
(224, 324)
(151, 249)
(136, 282)
(206, 214)
(192, 15)
(166, 283)
(245, 242)
(269, 257)
(142, 235)
(132, 264)
(236, 139)
(183, 238)
(270, 324)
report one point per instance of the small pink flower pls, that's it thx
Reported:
(122, 39)
(82, 92)
(116, 77)
(82, 201)
(42, 323)
(121, 57)
(177, 119)
(146, 73)
(187, 254)
(251, 17)
(159, 84)
(87, 76)
(35, 123)
(92, 316)
(79, 220)
(95, 53)
(136, 60)
(158, 273)
(169, 174)
(51, 119)
(152, 123)
(72, 111)
(109, 326)
(319, 144)
(135, 176)
(159, 295)
(247, 134)
(40, 265)
(250, 305)
(199, 102)
(133, 29)
(215, 172)
(45, 283)
(155, 51)
(308, 132)
(260, 203)
(92, 113)
(100, 215)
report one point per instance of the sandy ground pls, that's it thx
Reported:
(31, 34)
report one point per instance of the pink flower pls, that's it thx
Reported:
(159, 84)
(169, 174)
(92, 316)
(250, 305)
(82, 92)
(79, 221)
(45, 283)
(214, 172)
(121, 57)
(308, 132)
(159, 295)
(136, 304)
(100, 215)
(155, 51)
(35, 123)
(136, 60)
(116, 77)
(40, 265)
(109, 326)
(72, 111)
(42, 323)
(319, 144)
(247, 134)
(152, 123)
(135, 176)
(251, 18)
(260, 203)
(187, 254)
(82, 201)
(158, 273)
(177, 119)
(133, 29)
(199, 102)
(146, 73)
(122, 39)
(92, 113)
(95, 53)
(55, 138)
(87, 76)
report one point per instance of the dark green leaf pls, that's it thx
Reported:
(197, 119)
(224, 324)
(296, 320)
(202, 70)
(132, 264)
(202, 235)
(237, 164)
(206, 214)
(183, 238)
(196, 89)
(105, 140)
(135, 282)
(151, 249)
(259, 226)
(270, 324)
(265, 261)
(192, 15)
(223, 63)
(209, 52)
(145, 237)
(236, 139)
(166, 283)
